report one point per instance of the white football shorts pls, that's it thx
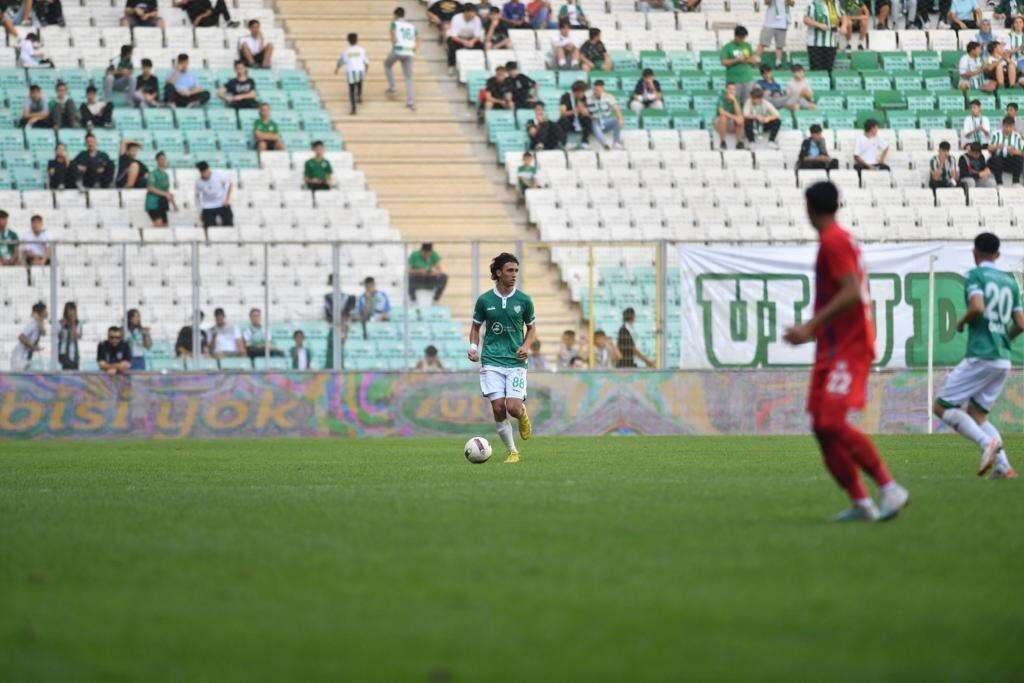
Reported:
(979, 380)
(497, 382)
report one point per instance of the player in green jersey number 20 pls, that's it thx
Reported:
(994, 318)
(504, 312)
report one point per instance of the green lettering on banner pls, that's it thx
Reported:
(949, 306)
(885, 290)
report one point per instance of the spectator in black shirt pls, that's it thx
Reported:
(95, 113)
(647, 93)
(524, 88)
(240, 91)
(974, 170)
(48, 12)
(131, 173)
(58, 170)
(142, 13)
(147, 87)
(593, 54)
(498, 91)
(206, 13)
(544, 133)
(114, 356)
(183, 344)
(575, 117)
(814, 152)
(92, 168)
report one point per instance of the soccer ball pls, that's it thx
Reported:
(478, 450)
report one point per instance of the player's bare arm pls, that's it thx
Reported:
(1018, 324)
(847, 297)
(523, 352)
(474, 342)
(974, 310)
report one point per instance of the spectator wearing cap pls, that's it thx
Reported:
(575, 116)
(213, 196)
(373, 303)
(739, 59)
(544, 133)
(430, 362)
(976, 127)
(593, 54)
(181, 87)
(760, 116)
(497, 92)
(606, 116)
(942, 169)
(425, 272)
(973, 168)
(870, 150)
(814, 152)
(1006, 149)
(524, 88)
(114, 355)
(646, 93)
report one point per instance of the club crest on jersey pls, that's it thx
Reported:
(517, 308)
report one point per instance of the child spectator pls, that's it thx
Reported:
(298, 352)
(526, 174)
(355, 62)
(430, 362)
(29, 339)
(159, 198)
(942, 168)
(68, 336)
(317, 172)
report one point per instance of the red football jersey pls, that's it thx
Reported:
(852, 334)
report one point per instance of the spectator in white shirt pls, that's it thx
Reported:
(213, 196)
(606, 356)
(28, 339)
(29, 54)
(972, 70)
(225, 340)
(254, 49)
(976, 126)
(564, 50)
(466, 32)
(36, 249)
(777, 19)
(870, 150)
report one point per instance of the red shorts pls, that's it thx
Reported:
(837, 386)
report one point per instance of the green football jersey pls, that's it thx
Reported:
(503, 321)
(988, 334)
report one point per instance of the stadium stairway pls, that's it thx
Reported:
(432, 169)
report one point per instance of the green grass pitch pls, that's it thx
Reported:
(612, 559)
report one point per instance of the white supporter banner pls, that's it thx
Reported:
(737, 301)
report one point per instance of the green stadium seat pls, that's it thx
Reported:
(655, 119)
(705, 100)
(158, 119)
(831, 100)
(247, 117)
(654, 59)
(864, 114)
(628, 77)
(847, 80)
(242, 159)
(921, 99)
(127, 118)
(711, 62)
(27, 178)
(40, 138)
(988, 100)
(44, 78)
(937, 79)
(623, 59)
(169, 140)
(498, 120)
(687, 120)
(805, 118)
(866, 60)
(201, 142)
(718, 82)
(800, 57)
(296, 139)
(859, 99)
(895, 61)
(841, 119)
(890, 99)
(683, 60)
(631, 121)
(293, 79)
(12, 78)
(233, 140)
(950, 59)
(277, 99)
(693, 80)
(266, 79)
(876, 80)
(901, 119)
(190, 119)
(222, 119)
(316, 122)
(304, 100)
(677, 101)
(924, 60)
(14, 159)
(907, 80)
(820, 81)
(567, 78)
(288, 121)
(547, 79)
(950, 99)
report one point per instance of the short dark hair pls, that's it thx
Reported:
(1012, 104)
(182, 57)
(431, 350)
(296, 333)
(146, 61)
(766, 67)
(974, 102)
(1009, 121)
(89, 135)
(34, 88)
(944, 145)
(35, 217)
(815, 129)
(600, 333)
(629, 312)
(113, 328)
(239, 62)
(369, 280)
(59, 84)
(500, 67)
(594, 32)
(218, 311)
(987, 243)
(578, 86)
(317, 143)
(822, 199)
(511, 66)
(427, 246)
(90, 88)
(870, 124)
(255, 310)
(598, 82)
(571, 333)
(353, 38)
(991, 47)
(399, 12)
(973, 44)
(974, 146)
(646, 73)
(253, 22)
(38, 307)
(3, 214)
(527, 155)
(160, 154)
(126, 50)
(202, 166)
(740, 32)
(500, 261)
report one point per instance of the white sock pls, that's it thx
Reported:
(864, 502)
(891, 486)
(1002, 462)
(965, 425)
(505, 432)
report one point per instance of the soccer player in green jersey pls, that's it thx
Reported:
(994, 318)
(504, 313)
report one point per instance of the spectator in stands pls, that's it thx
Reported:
(405, 41)
(882, 9)
(870, 150)
(606, 355)
(95, 113)
(206, 13)
(183, 344)
(225, 340)
(543, 132)
(18, 12)
(213, 196)
(440, 14)
(131, 173)
(240, 91)
(63, 113)
(565, 53)
(976, 126)
(942, 168)
(628, 352)
(265, 132)
(425, 272)
(58, 170)
(575, 115)
(497, 93)
(730, 116)
(646, 93)
(1007, 10)
(822, 21)
(1011, 110)
(760, 116)
(972, 70)
(814, 152)
(355, 62)
(776, 24)
(298, 352)
(963, 14)
(772, 90)
(348, 303)
(68, 336)
(147, 87)
(9, 255)
(48, 12)
(513, 14)
(536, 360)
(30, 55)
(973, 169)
(113, 355)
(571, 12)
(36, 112)
(542, 15)
(657, 6)
(526, 174)
(571, 355)
(1006, 148)
(524, 88)
(984, 34)
(29, 339)
(142, 13)
(36, 249)
(317, 172)
(159, 197)
(466, 32)
(855, 16)
(139, 339)
(255, 50)
(373, 303)
(799, 94)
(606, 116)
(496, 36)
(1000, 66)
(430, 362)
(738, 58)
(256, 339)
(181, 87)
(92, 167)
(593, 53)
(120, 74)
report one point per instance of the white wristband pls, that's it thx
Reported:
(473, 347)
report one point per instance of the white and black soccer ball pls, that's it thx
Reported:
(478, 450)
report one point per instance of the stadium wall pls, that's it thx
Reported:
(244, 405)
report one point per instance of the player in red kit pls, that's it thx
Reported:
(845, 335)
